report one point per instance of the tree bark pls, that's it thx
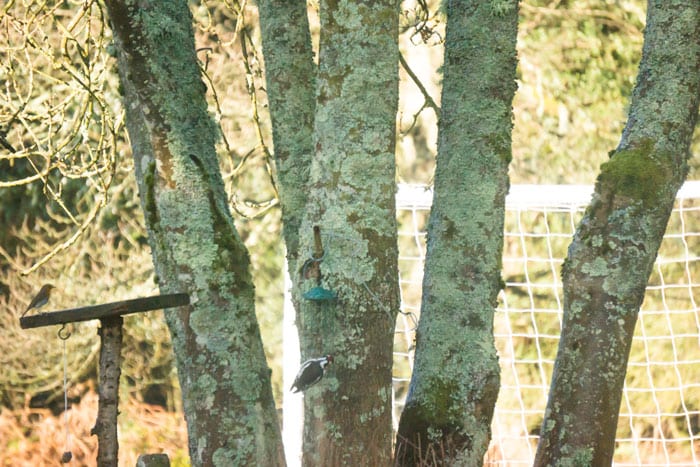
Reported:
(290, 76)
(351, 199)
(225, 381)
(456, 379)
(616, 242)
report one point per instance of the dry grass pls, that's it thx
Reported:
(36, 437)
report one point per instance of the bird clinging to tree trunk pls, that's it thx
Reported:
(310, 373)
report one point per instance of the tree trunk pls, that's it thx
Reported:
(230, 412)
(351, 200)
(616, 243)
(455, 379)
(290, 75)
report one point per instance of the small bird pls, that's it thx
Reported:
(41, 299)
(310, 373)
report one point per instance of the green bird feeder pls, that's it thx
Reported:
(319, 294)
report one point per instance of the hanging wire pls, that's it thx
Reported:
(64, 334)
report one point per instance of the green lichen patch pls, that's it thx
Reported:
(580, 458)
(503, 7)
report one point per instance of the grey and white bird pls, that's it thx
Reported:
(310, 373)
(41, 299)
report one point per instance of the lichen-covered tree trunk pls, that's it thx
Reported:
(230, 412)
(351, 199)
(616, 242)
(290, 75)
(455, 379)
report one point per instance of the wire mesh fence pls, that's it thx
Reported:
(659, 420)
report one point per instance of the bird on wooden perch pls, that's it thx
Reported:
(41, 299)
(310, 373)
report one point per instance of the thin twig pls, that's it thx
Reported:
(426, 95)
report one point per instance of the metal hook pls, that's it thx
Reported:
(64, 333)
(319, 259)
(311, 262)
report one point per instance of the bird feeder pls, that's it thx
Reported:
(319, 294)
(110, 316)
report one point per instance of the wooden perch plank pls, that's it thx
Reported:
(105, 310)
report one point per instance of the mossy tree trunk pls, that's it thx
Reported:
(347, 190)
(290, 76)
(351, 199)
(456, 378)
(616, 242)
(229, 409)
